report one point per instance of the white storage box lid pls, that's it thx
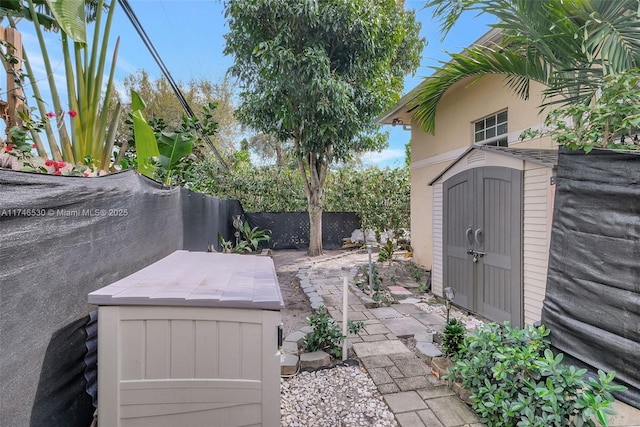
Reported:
(198, 279)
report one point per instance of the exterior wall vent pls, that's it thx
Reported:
(476, 158)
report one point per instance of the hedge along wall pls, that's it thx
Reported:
(592, 301)
(61, 238)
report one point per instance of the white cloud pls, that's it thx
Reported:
(125, 95)
(124, 67)
(392, 157)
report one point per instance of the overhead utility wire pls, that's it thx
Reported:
(154, 53)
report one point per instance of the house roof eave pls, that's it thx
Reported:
(400, 108)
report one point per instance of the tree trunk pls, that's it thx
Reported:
(314, 170)
(314, 207)
(279, 158)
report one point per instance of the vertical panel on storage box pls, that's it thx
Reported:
(192, 366)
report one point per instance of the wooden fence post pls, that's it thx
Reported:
(12, 62)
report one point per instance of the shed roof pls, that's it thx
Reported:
(540, 156)
(198, 279)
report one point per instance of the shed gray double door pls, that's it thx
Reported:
(482, 222)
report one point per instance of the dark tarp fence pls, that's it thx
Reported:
(592, 303)
(61, 238)
(204, 217)
(290, 230)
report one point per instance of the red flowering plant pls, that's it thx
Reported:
(85, 144)
(20, 153)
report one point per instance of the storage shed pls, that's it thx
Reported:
(191, 340)
(492, 215)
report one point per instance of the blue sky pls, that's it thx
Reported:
(189, 36)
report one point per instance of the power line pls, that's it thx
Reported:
(165, 71)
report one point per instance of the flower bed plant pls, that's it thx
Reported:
(453, 336)
(516, 380)
(327, 335)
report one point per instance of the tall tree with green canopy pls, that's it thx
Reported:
(317, 73)
(567, 45)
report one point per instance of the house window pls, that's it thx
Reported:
(491, 130)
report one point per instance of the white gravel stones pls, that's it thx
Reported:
(431, 308)
(343, 396)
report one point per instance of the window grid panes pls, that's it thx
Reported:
(492, 130)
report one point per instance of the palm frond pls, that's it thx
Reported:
(568, 45)
(612, 35)
(475, 62)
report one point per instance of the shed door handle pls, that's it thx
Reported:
(478, 237)
(469, 234)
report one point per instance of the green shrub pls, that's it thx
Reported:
(375, 291)
(363, 282)
(380, 197)
(415, 272)
(250, 241)
(254, 236)
(516, 380)
(355, 326)
(453, 336)
(386, 251)
(327, 335)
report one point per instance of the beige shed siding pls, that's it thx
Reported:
(436, 272)
(536, 233)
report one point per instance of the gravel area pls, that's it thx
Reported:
(338, 397)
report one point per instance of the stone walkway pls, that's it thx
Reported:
(414, 395)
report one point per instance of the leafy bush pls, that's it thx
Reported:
(375, 289)
(355, 327)
(516, 380)
(250, 241)
(258, 188)
(254, 236)
(415, 272)
(380, 197)
(386, 251)
(453, 336)
(611, 121)
(229, 248)
(363, 281)
(327, 335)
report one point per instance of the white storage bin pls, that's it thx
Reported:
(191, 340)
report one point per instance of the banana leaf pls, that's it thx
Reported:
(71, 17)
(146, 144)
(173, 147)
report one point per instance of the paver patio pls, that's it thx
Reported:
(414, 395)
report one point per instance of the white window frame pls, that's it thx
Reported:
(497, 139)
